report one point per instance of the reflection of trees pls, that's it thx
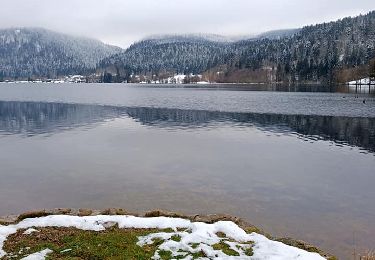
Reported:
(354, 131)
(35, 118)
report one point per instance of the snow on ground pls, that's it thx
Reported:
(364, 81)
(177, 79)
(203, 82)
(194, 232)
(39, 255)
(30, 231)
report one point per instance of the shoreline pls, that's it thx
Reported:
(208, 219)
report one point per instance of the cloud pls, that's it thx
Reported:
(122, 22)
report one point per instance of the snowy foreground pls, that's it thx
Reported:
(194, 232)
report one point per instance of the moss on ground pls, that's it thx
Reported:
(176, 238)
(115, 243)
(71, 243)
(198, 255)
(225, 248)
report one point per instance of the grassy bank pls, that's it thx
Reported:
(66, 241)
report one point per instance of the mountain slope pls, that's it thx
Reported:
(28, 52)
(277, 34)
(332, 51)
(315, 52)
(173, 54)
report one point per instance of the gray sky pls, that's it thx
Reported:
(121, 22)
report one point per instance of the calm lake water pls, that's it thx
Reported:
(299, 164)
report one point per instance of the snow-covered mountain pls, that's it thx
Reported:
(28, 52)
(179, 54)
(198, 37)
(336, 51)
(278, 34)
(341, 51)
(204, 37)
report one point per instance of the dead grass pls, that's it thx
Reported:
(369, 255)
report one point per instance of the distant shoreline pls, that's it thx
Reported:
(352, 83)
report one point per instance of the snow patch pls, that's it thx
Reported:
(203, 82)
(364, 81)
(177, 79)
(39, 255)
(341, 58)
(194, 232)
(30, 231)
(206, 237)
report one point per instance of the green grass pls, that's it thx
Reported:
(198, 255)
(225, 248)
(248, 251)
(110, 244)
(176, 238)
(165, 255)
(194, 245)
(113, 243)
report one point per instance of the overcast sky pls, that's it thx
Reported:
(121, 22)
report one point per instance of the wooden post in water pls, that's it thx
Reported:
(356, 86)
(369, 85)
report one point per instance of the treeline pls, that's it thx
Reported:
(316, 52)
(338, 51)
(331, 52)
(35, 52)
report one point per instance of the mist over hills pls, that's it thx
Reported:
(337, 51)
(27, 52)
(331, 52)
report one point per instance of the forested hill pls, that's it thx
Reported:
(28, 52)
(183, 54)
(338, 51)
(335, 51)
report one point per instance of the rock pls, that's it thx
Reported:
(62, 211)
(8, 219)
(115, 211)
(305, 246)
(109, 224)
(84, 212)
(161, 213)
(33, 214)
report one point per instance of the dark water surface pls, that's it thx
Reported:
(298, 164)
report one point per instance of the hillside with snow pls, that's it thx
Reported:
(338, 51)
(27, 52)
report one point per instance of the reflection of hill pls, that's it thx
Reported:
(37, 118)
(353, 131)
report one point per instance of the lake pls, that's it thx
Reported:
(294, 162)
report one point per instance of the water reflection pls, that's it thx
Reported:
(30, 118)
(142, 158)
(342, 130)
(353, 89)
